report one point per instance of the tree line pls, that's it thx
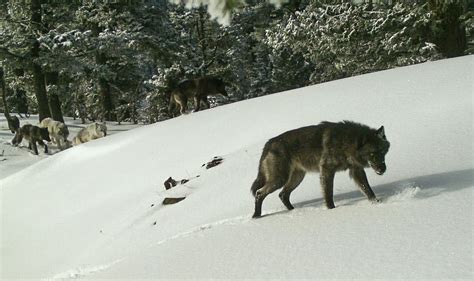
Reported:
(119, 60)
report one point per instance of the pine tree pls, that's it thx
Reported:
(345, 40)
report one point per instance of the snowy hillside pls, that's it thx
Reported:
(95, 212)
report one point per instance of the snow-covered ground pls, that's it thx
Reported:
(95, 212)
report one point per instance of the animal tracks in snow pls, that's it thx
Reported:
(204, 227)
(404, 192)
(83, 271)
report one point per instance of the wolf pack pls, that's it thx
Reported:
(52, 131)
(325, 148)
(56, 132)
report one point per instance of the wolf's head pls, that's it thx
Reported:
(101, 129)
(220, 87)
(63, 130)
(374, 149)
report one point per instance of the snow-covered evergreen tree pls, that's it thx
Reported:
(119, 60)
(344, 40)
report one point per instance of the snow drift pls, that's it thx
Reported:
(95, 211)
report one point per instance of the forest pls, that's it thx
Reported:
(119, 60)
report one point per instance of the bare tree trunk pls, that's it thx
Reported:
(52, 78)
(4, 94)
(38, 76)
(105, 92)
(21, 100)
(13, 122)
(450, 36)
(201, 32)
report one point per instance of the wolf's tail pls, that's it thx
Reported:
(260, 180)
(172, 104)
(258, 183)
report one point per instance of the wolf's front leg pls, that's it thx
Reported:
(359, 176)
(45, 147)
(206, 102)
(60, 143)
(197, 103)
(327, 184)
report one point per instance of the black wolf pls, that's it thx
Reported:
(33, 134)
(325, 148)
(13, 123)
(198, 89)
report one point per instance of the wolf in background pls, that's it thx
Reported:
(325, 148)
(58, 132)
(90, 132)
(13, 123)
(198, 89)
(34, 135)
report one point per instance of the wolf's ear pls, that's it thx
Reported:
(381, 133)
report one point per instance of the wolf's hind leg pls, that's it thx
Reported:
(182, 108)
(276, 174)
(274, 166)
(268, 188)
(32, 146)
(295, 179)
(182, 102)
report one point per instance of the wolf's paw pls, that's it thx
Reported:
(375, 201)
(256, 215)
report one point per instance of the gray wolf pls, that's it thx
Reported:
(58, 132)
(90, 132)
(198, 89)
(34, 135)
(325, 148)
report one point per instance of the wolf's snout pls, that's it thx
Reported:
(380, 170)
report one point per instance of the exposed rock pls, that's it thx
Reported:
(170, 200)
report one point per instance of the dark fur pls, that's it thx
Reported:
(325, 148)
(34, 135)
(198, 89)
(13, 124)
